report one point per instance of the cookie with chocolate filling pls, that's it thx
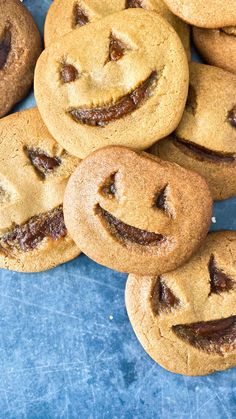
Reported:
(34, 171)
(205, 140)
(20, 46)
(186, 319)
(205, 14)
(217, 46)
(115, 90)
(70, 14)
(133, 212)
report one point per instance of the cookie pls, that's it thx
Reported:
(133, 212)
(205, 140)
(65, 15)
(206, 14)
(186, 319)
(33, 174)
(127, 87)
(20, 46)
(217, 46)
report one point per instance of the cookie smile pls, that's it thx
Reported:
(202, 153)
(215, 336)
(127, 104)
(128, 233)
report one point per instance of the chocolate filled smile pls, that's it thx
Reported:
(127, 233)
(202, 153)
(101, 116)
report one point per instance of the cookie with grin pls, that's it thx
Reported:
(127, 87)
(186, 319)
(205, 140)
(20, 46)
(133, 212)
(65, 15)
(33, 174)
(217, 46)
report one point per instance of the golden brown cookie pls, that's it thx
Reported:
(65, 15)
(205, 13)
(133, 212)
(186, 319)
(217, 46)
(205, 140)
(127, 87)
(20, 46)
(33, 174)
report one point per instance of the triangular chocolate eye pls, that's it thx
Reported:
(134, 4)
(219, 281)
(109, 188)
(42, 162)
(5, 46)
(161, 200)
(232, 117)
(116, 49)
(163, 298)
(80, 16)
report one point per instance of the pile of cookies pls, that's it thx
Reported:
(128, 147)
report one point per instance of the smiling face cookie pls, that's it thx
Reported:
(33, 174)
(127, 87)
(210, 14)
(217, 46)
(205, 140)
(135, 213)
(20, 46)
(66, 15)
(186, 319)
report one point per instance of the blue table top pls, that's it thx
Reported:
(67, 349)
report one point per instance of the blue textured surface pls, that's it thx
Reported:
(67, 349)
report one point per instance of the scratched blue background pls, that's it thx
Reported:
(67, 349)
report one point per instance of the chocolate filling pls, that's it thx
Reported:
(5, 47)
(42, 162)
(128, 233)
(27, 236)
(80, 17)
(220, 282)
(134, 4)
(232, 117)
(124, 106)
(162, 298)
(203, 153)
(215, 336)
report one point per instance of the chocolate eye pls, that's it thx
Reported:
(232, 117)
(117, 49)
(161, 201)
(80, 16)
(219, 281)
(163, 298)
(134, 4)
(42, 162)
(109, 188)
(68, 73)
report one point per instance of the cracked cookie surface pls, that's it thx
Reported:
(116, 90)
(186, 319)
(132, 212)
(34, 171)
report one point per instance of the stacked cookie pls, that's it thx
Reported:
(121, 161)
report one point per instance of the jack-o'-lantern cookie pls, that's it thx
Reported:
(20, 46)
(66, 15)
(205, 140)
(186, 319)
(133, 212)
(205, 14)
(217, 46)
(33, 174)
(127, 87)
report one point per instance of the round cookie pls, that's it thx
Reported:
(20, 46)
(205, 14)
(205, 140)
(217, 46)
(186, 319)
(33, 174)
(133, 212)
(65, 15)
(127, 87)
